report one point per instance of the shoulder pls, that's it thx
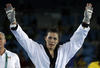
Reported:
(12, 54)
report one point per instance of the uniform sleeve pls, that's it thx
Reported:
(75, 43)
(17, 63)
(28, 44)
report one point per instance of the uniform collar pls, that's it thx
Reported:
(52, 60)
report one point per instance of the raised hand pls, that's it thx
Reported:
(10, 11)
(88, 13)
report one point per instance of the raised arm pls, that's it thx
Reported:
(28, 44)
(80, 34)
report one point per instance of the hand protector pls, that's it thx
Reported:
(10, 11)
(88, 13)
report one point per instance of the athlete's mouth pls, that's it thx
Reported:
(51, 44)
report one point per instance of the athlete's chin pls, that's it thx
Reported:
(52, 48)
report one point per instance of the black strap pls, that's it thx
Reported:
(85, 24)
(15, 28)
(6, 60)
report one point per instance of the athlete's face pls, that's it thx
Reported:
(52, 40)
(2, 41)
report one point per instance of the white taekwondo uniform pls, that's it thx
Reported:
(37, 52)
(12, 60)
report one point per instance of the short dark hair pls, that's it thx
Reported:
(54, 30)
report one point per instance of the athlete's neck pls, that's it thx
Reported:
(2, 51)
(52, 53)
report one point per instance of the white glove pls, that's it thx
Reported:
(88, 13)
(10, 11)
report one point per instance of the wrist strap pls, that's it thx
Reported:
(14, 27)
(85, 25)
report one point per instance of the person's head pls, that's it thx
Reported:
(52, 38)
(2, 40)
